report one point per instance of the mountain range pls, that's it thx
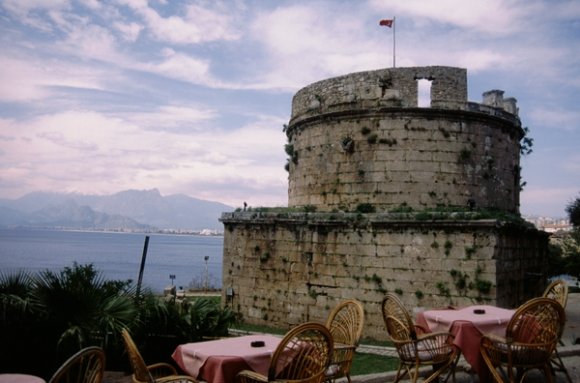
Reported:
(131, 210)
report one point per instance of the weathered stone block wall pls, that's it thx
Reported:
(421, 158)
(361, 139)
(288, 268)
(394, 86)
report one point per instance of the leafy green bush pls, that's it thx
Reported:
(58, 313)
(365, 208)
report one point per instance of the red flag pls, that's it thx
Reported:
(386, 22)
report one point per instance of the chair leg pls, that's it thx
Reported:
(399, 376)
(548, 373)
(496, 372)
(453, 366)
(440, 369)
(557, 364)
(415, 375)
(520, 374)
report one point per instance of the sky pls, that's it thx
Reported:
(190, 97)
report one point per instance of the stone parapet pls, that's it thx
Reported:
(395, 87)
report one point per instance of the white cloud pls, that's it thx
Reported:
(30, 12)
(302, 47)
(257, 141)
(89, 152)
(26, 80)
(171, 116)
(199, 24)
(92, 42)
(215, 24)
(182, 67)
(72, 150)
(291, 30)
(129, 31)
(17, 79)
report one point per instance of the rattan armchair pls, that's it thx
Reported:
(558, 290)
(415, 346)
(86, 366)
(530, 339)
(345, 323)
(302, 356)
(153, 373)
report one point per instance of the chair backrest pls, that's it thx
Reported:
(397, 319)
(538, 321)
(303, 354)
(140, 370)
(346, 322)
(557, 290)
(86, 366)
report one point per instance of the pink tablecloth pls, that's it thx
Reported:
(219, 361)
(468, 328)
(20, 378)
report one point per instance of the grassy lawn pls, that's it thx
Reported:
(243, 327)
(362, 364)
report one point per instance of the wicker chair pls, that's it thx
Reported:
(417, 347)
(302, 356)
(558, 290)
(154, 373)
(530, 339)
(345, 323)
(86, 366)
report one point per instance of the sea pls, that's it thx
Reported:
(180, 260)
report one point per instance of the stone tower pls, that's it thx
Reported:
(362, 139)
(385, 195)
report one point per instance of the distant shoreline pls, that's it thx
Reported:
(203, 233)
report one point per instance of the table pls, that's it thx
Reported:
(20, 378)
(219, 361)
(468, 328)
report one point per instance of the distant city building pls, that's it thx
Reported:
(549, 224)
(210, 232)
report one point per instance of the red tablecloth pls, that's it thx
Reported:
(219, 361)
(468, 328)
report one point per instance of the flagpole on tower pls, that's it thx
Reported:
(391, 24)
(394, 28)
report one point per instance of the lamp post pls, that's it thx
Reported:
(206, 258)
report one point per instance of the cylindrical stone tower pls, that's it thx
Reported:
(361, 140)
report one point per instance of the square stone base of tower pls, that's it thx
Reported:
(281, 269)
